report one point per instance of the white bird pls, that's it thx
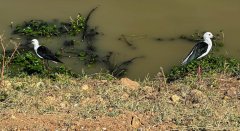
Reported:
(43, 52)
(201, 49)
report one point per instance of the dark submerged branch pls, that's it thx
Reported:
(123, 37)
(85, 28)
(118, 70)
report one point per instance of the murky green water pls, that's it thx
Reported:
(143, 20)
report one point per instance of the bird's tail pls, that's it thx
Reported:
(185, 61)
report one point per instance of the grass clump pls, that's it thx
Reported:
(209, 64)
(29, 63)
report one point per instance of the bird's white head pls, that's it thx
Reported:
(35, 43)
(207, 35)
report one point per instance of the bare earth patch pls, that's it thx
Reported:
(127, 121)
(33, 103)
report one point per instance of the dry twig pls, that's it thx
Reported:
(5, 61)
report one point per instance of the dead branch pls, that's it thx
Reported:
(13, 53)
(3, 58)
(6, 62)
(86, 26)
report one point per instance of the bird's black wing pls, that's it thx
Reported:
(199, 49)
(47, 54)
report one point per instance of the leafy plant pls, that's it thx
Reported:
(29, 63)
(75, 26)
(37, 28)
(40, 28)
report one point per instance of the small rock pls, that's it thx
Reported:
(73, 127)
(7, 83)
(135, 122)
(231, 92)
(73, 82)
(110, 109)
(13, 117)
(104, 81)
(125, 96)
(64, 104)
(175, 98)
(68, 95)
(148, 89)
(130, 84)
(50, 100)
(226, 98)
(85, 87)
(197, 96)
(18, 84)
(40, 84)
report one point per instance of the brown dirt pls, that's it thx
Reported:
(126, 121)
(216, 98)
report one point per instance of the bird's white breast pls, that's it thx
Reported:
(209, 42)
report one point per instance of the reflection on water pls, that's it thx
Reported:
(142, 22)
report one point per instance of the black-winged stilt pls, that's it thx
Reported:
(43, 52)
(200, 50)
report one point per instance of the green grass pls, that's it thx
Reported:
(209, 64)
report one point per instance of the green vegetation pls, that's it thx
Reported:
(29, 64)
(40, 28)
(208, 64)
(75, 26)
(37, 28)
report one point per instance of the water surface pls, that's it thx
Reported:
(143, 21)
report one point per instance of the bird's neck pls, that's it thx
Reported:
(36, 46)
(208, 41)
